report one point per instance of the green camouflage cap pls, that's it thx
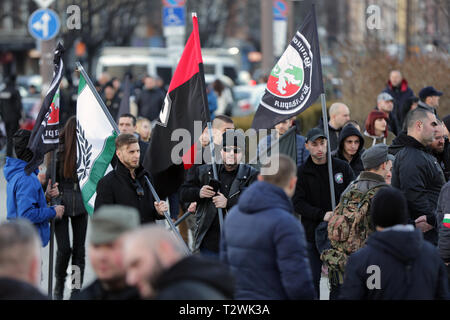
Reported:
(109, 222)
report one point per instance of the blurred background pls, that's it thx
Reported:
(360, 42)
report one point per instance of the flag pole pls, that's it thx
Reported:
(325, 119)
(116, 129)
(211, 141)
(52, 230)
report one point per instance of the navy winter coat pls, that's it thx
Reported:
(264, 244)
(409, 268)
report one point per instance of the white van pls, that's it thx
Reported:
(158, 61)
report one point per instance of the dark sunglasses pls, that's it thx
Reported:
(232, 149)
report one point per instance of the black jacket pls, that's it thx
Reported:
(356, 162)
(418, 174)
(195, 278)
(312, 194)
(117, 187)
(443, 208)
(408, 268)
(150, 103)
(206, 210)
(10, 105)
(113, 106)
(12, 289)
(444, 159)
(400, 95)
(398, 143)
(95, 291)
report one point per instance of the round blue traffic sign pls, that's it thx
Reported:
(44, 24)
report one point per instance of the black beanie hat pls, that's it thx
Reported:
(20, 140)
(388, 208)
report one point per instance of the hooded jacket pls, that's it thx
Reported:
(271, 261)
(25, 198)
(400, 95)
(407, 268)
(419, 176)
(356, 162)
(195, 278)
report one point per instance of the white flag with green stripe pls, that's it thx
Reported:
(95, 143)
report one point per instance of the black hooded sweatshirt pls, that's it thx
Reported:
(356, 162)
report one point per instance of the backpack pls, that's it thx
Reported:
(348, 230)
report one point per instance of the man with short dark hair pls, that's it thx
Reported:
(312, 198)
(417, 173)
(126, 184)
(395, 264)
(279, 267)
(127, 124)
(20, 261)
(440, 148)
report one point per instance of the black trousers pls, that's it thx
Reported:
(65, 251)
(10, 128)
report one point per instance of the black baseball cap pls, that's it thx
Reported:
(429, 92)
(314, 134)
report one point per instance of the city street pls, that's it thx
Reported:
(89, 274)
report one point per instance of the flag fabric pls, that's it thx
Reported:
(125, 102)
(95, 143)
(184, 104)
(446, 220)
(295, 82)
(45, 134)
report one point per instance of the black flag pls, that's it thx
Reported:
(296, 80)
(125, 102)
(45, 135)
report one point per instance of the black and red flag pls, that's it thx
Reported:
(45, 134)
(185, 106)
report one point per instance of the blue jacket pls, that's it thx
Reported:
(407, 268)
(265, 247)
(25, 198)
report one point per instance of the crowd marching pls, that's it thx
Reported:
(253, 235)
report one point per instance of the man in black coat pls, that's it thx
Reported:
(339, 116)
(234, 178)
(10, 111)
(417, 173)
(440, 148)
(312, 198)
(150, 100)
(126, 184)
(398, 88)
(396, 263)
(156, 264)
(20, 261)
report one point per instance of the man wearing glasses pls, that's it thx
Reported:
(126, 184)
(417, 173)
(201, 187)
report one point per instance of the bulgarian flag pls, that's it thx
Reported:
(446, 221)
(95, 141)
(185, 108)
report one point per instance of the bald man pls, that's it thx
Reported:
(397, 87)
(156, 264)
(339, 115)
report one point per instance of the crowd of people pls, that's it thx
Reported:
(255, 235)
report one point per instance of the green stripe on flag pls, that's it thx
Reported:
(98, 171)
(81, 83)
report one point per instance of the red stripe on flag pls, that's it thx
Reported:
(189, 157)
(447, 224)
(190, 59)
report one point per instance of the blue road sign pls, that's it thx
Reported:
(280, 10)
(173, 17)
(44, 24)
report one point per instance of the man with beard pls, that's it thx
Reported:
(441, 150)
(126, 184)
